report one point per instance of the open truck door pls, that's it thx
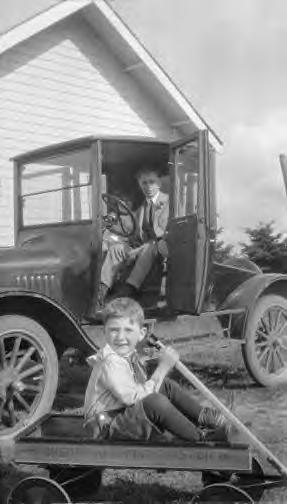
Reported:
(192, 217)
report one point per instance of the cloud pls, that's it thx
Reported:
(230, 59)
(249, 178)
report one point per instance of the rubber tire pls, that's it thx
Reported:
(222, 492)
(248, 349)
(18, 323)
(55, 490)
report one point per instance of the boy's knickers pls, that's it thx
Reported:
(129, 423)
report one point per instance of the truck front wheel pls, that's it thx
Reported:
(265, 347)
(28, 373)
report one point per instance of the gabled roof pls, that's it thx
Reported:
(130, 51)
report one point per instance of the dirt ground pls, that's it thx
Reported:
(219, 364)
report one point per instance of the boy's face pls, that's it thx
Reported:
(123, 335)
(150, 183)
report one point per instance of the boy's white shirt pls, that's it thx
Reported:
(112, 383)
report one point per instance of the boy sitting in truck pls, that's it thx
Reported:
(151, 221)
(122, 403)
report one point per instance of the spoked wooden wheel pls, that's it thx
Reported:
(222, 492)
(265, 350)
(37, 490)
(28, 373)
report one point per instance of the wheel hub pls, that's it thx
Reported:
(272, 339)
(9, 379)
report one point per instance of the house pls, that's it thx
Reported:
(73, 70)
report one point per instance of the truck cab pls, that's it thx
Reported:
(73, 196)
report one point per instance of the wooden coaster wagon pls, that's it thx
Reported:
(75, 462)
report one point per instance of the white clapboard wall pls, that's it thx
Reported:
(59, 85)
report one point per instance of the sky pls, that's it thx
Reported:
(229, 57)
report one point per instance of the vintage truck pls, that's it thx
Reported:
(68, 198)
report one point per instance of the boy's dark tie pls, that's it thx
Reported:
(151, 213)
(148, 212)
(148, 220)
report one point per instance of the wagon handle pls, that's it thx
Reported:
(253, 440)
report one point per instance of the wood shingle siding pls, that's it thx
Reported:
(62, 84)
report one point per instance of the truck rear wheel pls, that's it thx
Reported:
(265, 349)
(28, 373)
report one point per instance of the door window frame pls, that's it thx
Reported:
(205, 204)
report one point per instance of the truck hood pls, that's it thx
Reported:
(44, 254)
(15, 258)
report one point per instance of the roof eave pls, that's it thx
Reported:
(69, 7)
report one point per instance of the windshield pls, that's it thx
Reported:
(56, 189)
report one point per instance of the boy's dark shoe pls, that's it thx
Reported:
(127, 290)
(219, 435)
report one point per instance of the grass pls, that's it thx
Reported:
(220, 366)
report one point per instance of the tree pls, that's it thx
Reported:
(223, 251)
(266, 247)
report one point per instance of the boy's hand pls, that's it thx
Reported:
(168, 358)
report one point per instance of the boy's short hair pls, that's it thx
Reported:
(146, 168)
(124, 307)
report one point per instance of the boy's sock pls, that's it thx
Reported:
(98, 302)
(211, 418)
(218, 428)
(102, 294)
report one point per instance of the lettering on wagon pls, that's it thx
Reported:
(167, 457)
(195, 455)
(134, 454)
(61, 452)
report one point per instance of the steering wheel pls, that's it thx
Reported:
(119, 219)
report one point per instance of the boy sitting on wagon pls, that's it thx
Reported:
(122, 403)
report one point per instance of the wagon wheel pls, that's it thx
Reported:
(37, 490)
(78, 481)
(28, 373)
(265, 350)
(220, 493)
(249, 482)
(252, 483)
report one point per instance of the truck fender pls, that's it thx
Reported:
(246, 295)
(64, 329)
